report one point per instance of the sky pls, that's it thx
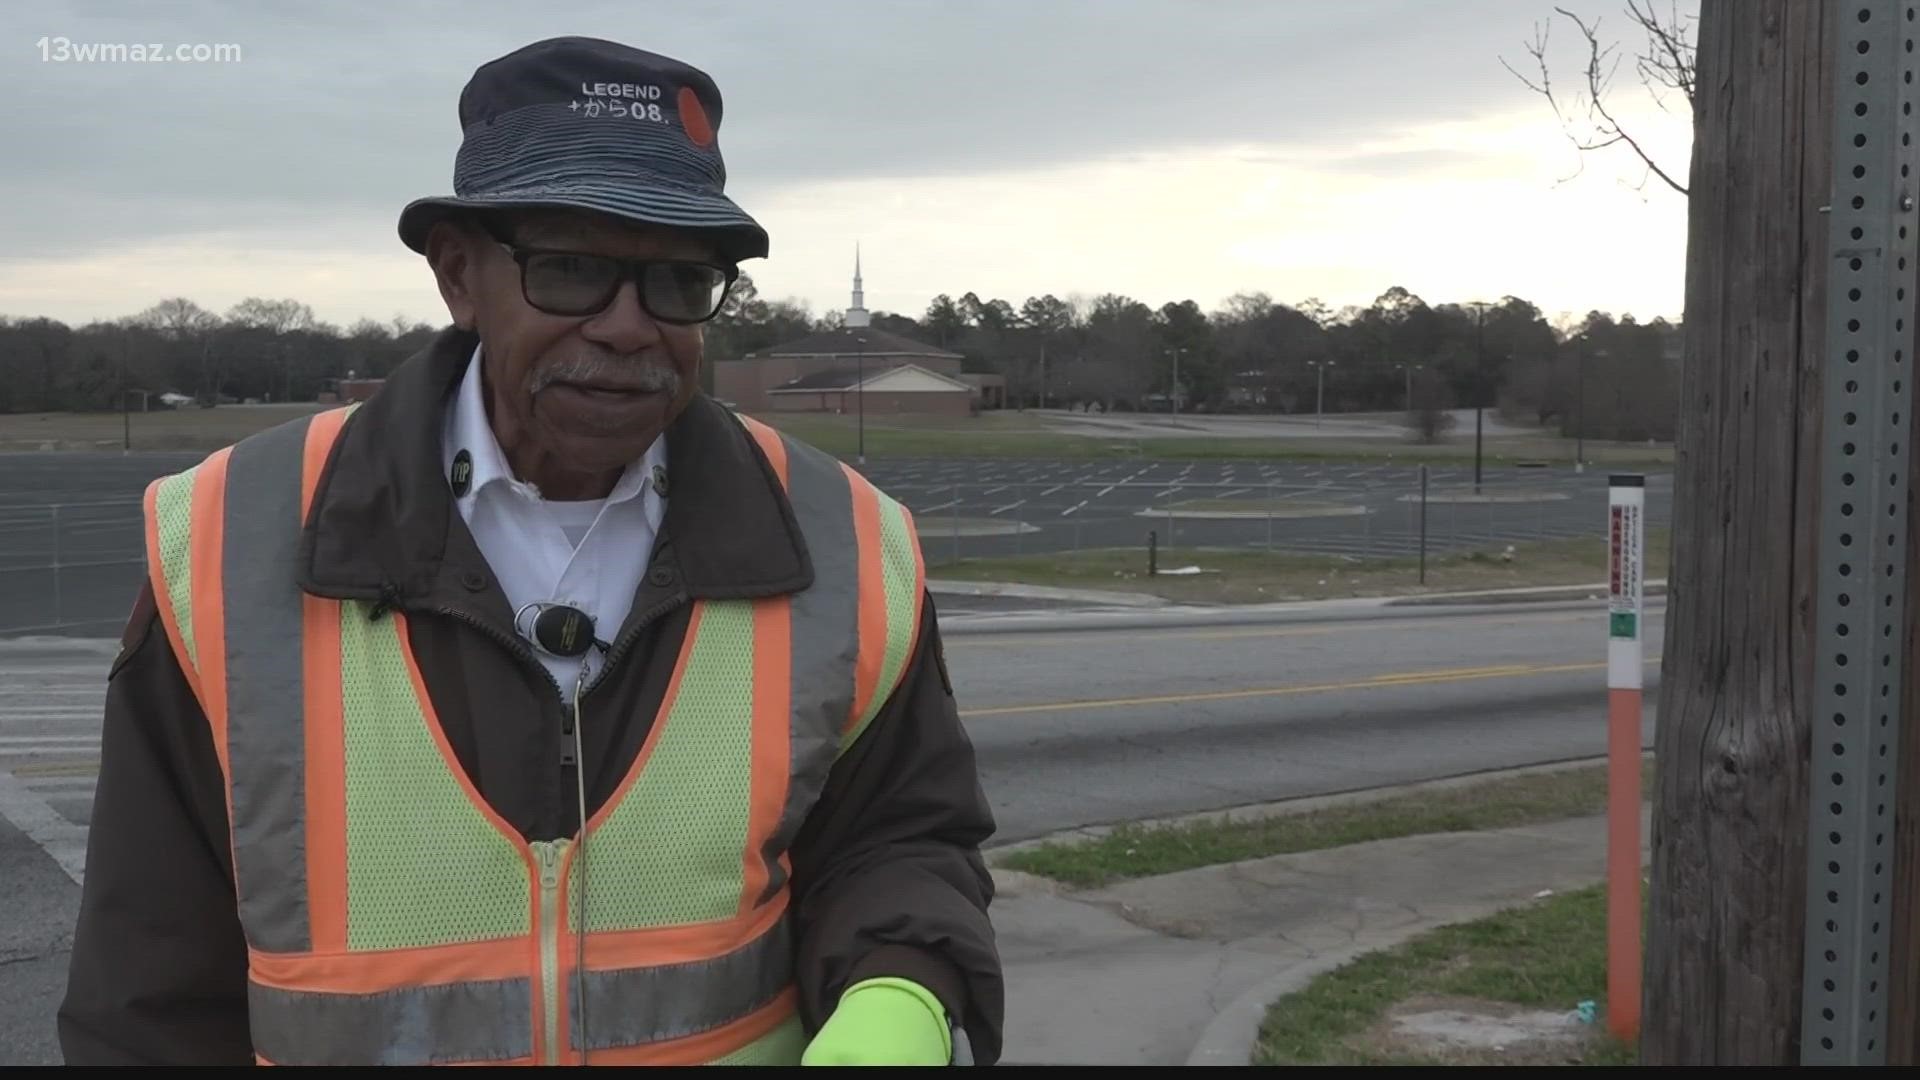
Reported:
(1163, 149)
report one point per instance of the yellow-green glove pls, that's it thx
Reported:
(884, 1021)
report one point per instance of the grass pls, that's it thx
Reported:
(165, 429)
(1250, 576)
(1135, 851)
(1551, 954)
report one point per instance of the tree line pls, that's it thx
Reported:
(1602, 376)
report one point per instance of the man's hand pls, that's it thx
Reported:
(884, 1021)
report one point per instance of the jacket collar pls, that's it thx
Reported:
(384, 526)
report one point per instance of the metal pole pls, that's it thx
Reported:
(1479, 388)
(860, 393)
(1860, 619)
(1320, 393)
(1580, 411)
(1423, 524)
(57, 606)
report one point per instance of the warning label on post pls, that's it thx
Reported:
(1623, 601)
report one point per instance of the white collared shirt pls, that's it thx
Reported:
(590, 555)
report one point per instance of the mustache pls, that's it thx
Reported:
(623, 373)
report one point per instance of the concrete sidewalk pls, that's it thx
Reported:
(1179, 969)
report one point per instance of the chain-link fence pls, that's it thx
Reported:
(70, 568)
(74, 568)
(1391, 516)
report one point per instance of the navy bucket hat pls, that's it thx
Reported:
(585, 124)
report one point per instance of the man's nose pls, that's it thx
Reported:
(624, 326)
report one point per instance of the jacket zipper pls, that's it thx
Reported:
(550, 854)
(626, 640)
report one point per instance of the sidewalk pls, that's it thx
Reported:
(1179, 969)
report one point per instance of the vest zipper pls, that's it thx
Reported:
(550, 854)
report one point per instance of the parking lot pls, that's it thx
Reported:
(70, 542)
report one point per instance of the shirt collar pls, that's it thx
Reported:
(384, 522)
(469, 432)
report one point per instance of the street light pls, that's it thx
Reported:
(1173, 390)
(860, 391)
(1320, 389)
(1479, 383)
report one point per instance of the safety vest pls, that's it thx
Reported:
(391, 916)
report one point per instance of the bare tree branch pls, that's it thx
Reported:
(1667, 64)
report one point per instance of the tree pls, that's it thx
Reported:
(1665, 67)
(1727, 906)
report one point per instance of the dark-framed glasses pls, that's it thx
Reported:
(682, 292)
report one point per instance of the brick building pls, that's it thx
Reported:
(832, 370)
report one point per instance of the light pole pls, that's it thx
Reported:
(1409, 369)
(1173, 389)
(860, 391)
(1479, 384)
(1320, 389)
(1580, 410)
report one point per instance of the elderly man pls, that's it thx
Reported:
(539, 710)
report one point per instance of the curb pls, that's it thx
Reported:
(1230, 1037)
(939, 586)
(1303, 804)
(1533, 594)
(1253, 515)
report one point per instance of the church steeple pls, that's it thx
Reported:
(857, 314)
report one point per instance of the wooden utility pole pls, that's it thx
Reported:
(1727, 898)
(1790, 523)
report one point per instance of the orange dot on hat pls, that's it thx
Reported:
(694, 118)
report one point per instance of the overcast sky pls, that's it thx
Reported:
(1166, 149)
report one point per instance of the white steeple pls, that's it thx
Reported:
(857, 314)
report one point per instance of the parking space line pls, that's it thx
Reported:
(1009, 506)
(1074, 507)
(991, 491)
(1051, 490)
(1235, 491)
(943, 506)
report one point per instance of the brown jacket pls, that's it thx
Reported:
(887, 873)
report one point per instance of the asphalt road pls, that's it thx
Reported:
(1073, 727)
(70, 543)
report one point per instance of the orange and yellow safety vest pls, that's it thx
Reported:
(391, 916)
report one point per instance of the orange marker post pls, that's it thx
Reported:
(1625, 610)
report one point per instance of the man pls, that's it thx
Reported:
(390, 658)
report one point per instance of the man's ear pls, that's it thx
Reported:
(450, 252)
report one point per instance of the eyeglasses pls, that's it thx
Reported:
(682, 292)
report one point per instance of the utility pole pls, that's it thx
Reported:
(1479, 383)
(1781, 895)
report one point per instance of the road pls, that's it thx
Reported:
(1074, 726)
(1090, 727)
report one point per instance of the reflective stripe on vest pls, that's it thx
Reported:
(392, 917)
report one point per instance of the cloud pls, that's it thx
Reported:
(952, 132)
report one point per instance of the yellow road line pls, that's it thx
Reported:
(1375, 682)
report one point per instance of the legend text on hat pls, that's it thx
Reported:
(64, 50)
